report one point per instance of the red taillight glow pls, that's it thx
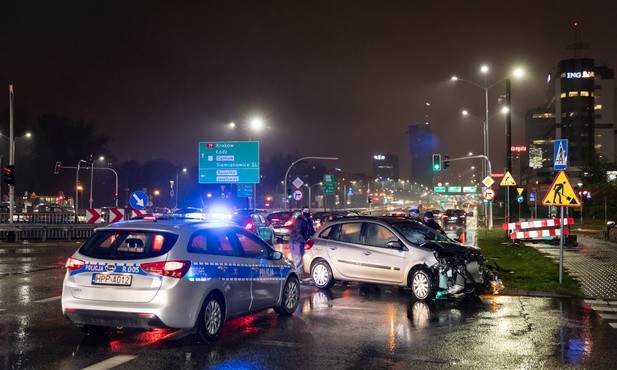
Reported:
(74, 264)
(309, 244)
(175, 269)
(289, 223)
(249, 226)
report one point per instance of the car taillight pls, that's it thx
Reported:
(309, 244)
(74, 264)
(289, 223)
(249, 226)
(274, 220)
(175, 269)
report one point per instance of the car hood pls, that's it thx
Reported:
(451, 249)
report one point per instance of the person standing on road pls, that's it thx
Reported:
(429, 220)
(414, 214)
(301, 232)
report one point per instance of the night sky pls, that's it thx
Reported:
(331, 78)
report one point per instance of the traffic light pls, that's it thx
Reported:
(288, 193)
(445, 163)
(9, 174)
(57, 168)
(436, 162)
(585, 195)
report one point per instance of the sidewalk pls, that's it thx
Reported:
(593, 261)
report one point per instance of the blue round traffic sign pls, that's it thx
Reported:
(520, 199)
(138, 200)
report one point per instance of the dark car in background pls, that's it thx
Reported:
(256, 222)
(282, 222)
(455, 217)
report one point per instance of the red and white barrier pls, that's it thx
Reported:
(548, 228)
(537, 234)
(537, 224)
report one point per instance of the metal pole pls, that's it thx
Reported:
(11, 153)
(561, 247)
(508, 163)
(91, 181)
(296, 161)
(177, 189)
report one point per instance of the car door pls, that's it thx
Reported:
(344, 250)
(266, 277)
(380, 262)
(226, 263)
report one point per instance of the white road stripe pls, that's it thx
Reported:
(50, 299)
(603, 308)
(110, 362)
(2, 309)
(614, 325)
(280, 343)
(608, 317)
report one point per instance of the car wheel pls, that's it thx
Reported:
(321, 273)
(422, 285)
(290, 298)
(94, 329)
(212, 318)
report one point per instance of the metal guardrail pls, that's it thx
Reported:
(19, 231)
(43, 226)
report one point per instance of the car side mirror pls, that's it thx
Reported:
(610, 224)
(396, 244)
(276, 255)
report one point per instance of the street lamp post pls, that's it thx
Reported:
(486, 87)
(301, 159)
(77, 187)
(178, 185)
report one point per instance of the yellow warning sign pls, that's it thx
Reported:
(508, 180)
(561, 192)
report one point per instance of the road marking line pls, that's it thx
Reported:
(608, 317)
(280, 343)
(50, 299)
(602, 308)
(110, 362)
(2, 309)
(613, 324)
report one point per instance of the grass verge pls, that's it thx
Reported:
(530, 269)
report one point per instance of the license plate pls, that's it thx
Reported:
(112, 279)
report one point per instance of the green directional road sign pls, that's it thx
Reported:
(439, 189)
(454, 189)
(224, 162)
(469, 189)
(328, 184)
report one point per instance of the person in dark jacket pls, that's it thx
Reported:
(429, 220)
(301, 232)
(414, 214)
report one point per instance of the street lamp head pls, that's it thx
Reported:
(484, 69)
(518, 72)
(256, 124)
(232, 125)
(465, 112)
(453, 78)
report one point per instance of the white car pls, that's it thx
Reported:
(175, 273)
(395, 251)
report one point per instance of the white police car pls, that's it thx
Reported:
(175, 273)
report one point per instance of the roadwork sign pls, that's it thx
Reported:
(508, 180)
(561, 193)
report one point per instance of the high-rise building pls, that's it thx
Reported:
(421, 149)
(386, 166)
(579, 108)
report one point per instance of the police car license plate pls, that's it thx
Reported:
(112, 279)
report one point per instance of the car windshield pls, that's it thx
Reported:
(418, 233)
(128, 244)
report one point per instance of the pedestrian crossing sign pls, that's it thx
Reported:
(561, 192)
(508, 180)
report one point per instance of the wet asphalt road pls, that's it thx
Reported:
(348, 327)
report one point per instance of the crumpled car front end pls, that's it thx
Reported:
(462, 270)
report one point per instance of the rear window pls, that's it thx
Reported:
(128, 244)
